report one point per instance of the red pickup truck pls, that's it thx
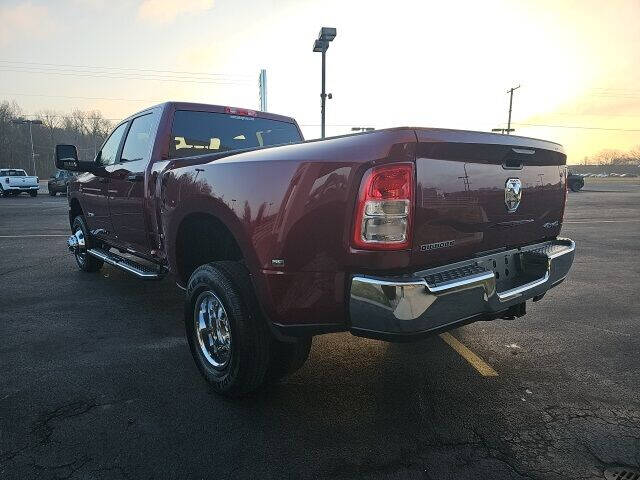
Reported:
(393, 234)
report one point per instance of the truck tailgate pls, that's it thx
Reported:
(466, 194)
(22, 182)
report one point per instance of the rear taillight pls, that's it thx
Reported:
(384, 208)
(6, 180)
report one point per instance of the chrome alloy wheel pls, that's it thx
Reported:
(212, 329)
(77, 245)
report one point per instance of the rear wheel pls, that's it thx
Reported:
(228, 337)
(52, 192)
(33, 193)
(2, 192)
(85, 262)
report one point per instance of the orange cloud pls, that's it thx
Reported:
(24, 20)
(164, 11)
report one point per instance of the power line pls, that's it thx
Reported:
(121, 77)
(28, 69)
(127, 69)
(82, 98)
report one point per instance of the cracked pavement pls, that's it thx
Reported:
(96, 379)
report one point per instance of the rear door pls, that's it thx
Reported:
(127, 184)
(481, 192)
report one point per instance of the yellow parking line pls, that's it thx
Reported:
(476, 362)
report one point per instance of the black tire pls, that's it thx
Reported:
(52, 193)
(33, 193)
(575, 187)
(287, 358)
(3, 194)
(247, 363)
(86, 262)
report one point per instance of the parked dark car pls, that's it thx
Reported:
(575, 182)
(59, 181)
(393, 234)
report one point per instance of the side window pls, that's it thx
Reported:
(110, 148)
(138, 142)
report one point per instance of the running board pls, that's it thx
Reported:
(138, 270)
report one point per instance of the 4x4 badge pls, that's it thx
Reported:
(512, 194)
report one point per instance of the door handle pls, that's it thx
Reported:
(135, 177)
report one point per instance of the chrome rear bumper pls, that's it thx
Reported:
(438, 298)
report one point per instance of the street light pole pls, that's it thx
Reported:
(322, 94)
(33, 153)
(326, 35)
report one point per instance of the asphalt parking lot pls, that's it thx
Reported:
(96, 379)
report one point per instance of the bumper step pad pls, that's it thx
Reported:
(486, 287)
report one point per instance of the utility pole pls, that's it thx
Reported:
(22, 121)
(510, 91)
(263, 90)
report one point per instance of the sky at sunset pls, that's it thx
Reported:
(421, 63)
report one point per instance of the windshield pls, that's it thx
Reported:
(197, 133)
(13, 173)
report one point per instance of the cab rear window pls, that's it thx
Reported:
(198, 133)
(13, 173)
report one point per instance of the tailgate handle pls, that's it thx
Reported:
(515, 163)
(512, 164)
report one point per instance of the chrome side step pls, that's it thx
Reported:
(137, 269)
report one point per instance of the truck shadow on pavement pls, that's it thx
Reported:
(104, 387)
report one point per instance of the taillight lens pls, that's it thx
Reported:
(384, 208)
(6, 180)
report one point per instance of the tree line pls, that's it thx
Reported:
(84, 129)
(615, 157)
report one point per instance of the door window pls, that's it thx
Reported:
(110, 148)
(138, 142)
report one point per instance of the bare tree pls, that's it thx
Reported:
(86, 130)
(99, 127)
(50, 122)
(634, 155)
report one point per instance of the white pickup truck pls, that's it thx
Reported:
(14, 181)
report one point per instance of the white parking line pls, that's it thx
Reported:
(35, 235)
(603, 221)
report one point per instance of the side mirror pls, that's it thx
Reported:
(67, 159)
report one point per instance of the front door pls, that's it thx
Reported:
(94, 187)
(127, 185)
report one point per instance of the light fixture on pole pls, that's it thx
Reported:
(321, 44)
(23, 121)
